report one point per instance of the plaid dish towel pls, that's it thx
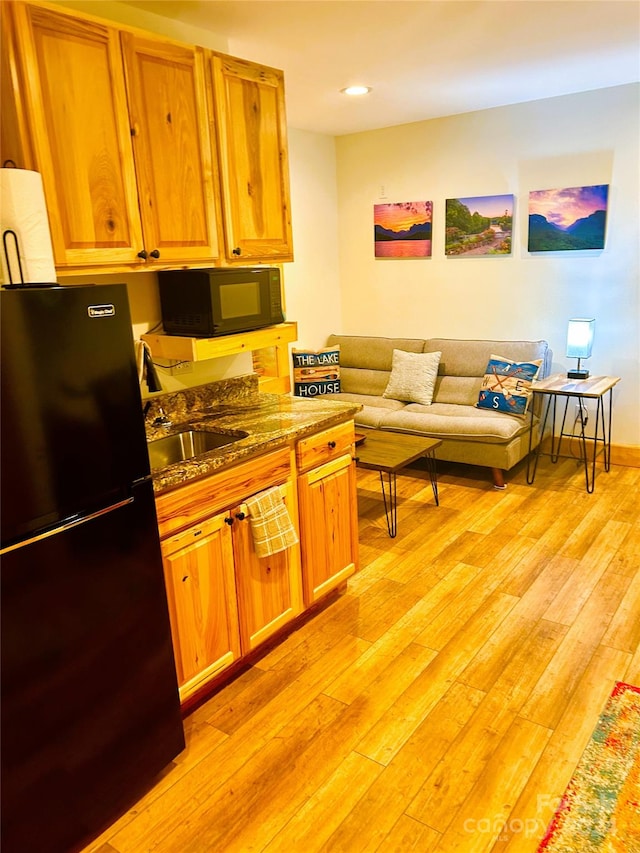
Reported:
(271, 524)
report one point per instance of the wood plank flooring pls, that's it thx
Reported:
(441, 703)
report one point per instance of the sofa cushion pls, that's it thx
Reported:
(355, 381)
(445, 420)
(373, 352)
(461, 390)
(470, 357)
(506, 386)
(374, 408)
(413, 376)
(365, 361)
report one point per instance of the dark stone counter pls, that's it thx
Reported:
(271, 421)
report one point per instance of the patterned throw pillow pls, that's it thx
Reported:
(413, 376)
(506, 386)
(316, 372)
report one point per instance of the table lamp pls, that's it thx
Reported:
(579, 343)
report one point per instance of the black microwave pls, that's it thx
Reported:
(211, 302)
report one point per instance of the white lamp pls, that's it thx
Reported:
(579, 343)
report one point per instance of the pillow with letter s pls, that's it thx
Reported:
(506, 386)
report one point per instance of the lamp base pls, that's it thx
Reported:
(578, 374)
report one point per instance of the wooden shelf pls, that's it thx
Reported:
(276, 380)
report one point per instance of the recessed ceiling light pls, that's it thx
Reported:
(356, 90)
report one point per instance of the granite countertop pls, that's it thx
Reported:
(236, 406)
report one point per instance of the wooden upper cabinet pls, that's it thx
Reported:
(172, 149)
(15, 141)
(75, 91)
(254, 171)
(152, 153)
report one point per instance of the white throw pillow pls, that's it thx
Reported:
(413, 376)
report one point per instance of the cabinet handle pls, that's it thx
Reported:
(237, 250)
(228, 520)
(185, 578)
(240, 516)
(143, 255)
(332, 444)
(154, 254)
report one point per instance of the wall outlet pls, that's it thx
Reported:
(181, 367)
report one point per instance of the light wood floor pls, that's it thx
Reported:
(440, 704)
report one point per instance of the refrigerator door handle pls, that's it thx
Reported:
(75, 523)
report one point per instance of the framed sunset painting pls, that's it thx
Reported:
(480, 225)
(402, 230)
(568, 219)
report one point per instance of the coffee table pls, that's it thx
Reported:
(388, 453)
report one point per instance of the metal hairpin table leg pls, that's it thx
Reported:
(607, 433)
(606, 443)
(532, 468)
(390, 507)
(433, 474)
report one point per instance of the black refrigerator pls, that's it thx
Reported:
(90, 708)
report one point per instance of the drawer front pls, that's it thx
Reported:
(192, 535)
(200, 499)
(324, 446)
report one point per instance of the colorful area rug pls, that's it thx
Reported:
(600, 810)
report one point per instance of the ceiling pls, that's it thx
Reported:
(422, 58)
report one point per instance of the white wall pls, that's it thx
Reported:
(313, 281)
(575, 140)
(133, 16)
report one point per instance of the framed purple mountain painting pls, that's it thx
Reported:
(402, 230)
(568, 219)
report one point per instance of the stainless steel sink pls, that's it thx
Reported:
(185, 445)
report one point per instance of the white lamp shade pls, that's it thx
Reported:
(580, 338)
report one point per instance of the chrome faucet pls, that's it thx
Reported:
(162, 419)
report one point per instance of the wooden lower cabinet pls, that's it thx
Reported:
(224, 600)
(201, 591)
(269, 588)
(328, 526)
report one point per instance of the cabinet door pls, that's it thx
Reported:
(15, 140)
(172, 149)
(328, 526)
(77, 116)
(199, 577)
(252, 147)
(269, 590)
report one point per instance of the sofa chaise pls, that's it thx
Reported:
(472, 435)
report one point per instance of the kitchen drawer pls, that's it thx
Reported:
(324, 446)
(188, 504)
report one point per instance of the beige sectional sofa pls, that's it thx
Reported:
(469, 434)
